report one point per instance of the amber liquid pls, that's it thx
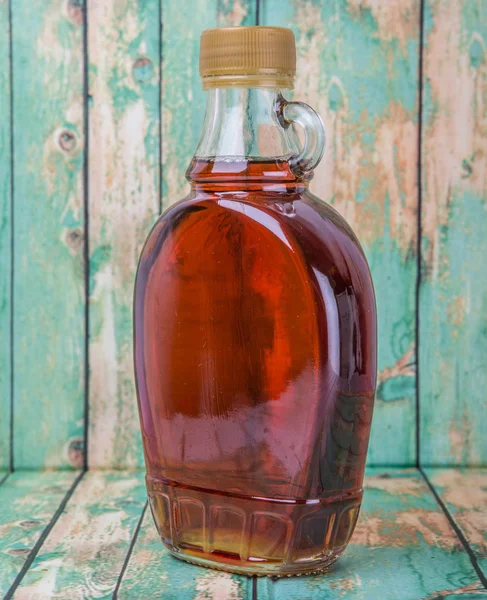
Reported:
(255, 354)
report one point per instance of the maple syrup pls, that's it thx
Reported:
(255, 356)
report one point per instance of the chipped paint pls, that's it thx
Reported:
(466, 591)
(403, 545)
(27, 502)
(5, 242)
(233, 13)
(124, 202)
(48, 189)
(218, 586)
(465, 494)
(453, 294)
(84, 553)
(403, 548)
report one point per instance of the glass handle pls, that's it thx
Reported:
(314, 133)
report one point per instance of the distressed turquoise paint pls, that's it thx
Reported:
(453, 291)
(48, 262)
(454, 342)
(28, 501)
(464, 493)
(85, 551)
(124, 166)
(183, 100)
(152, 570)
(5, 238)
(364, 77)
(403, 548)
(394, 422)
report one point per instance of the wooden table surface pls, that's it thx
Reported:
(70, 535)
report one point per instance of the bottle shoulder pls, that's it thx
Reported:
(310, 228)
(303, 207)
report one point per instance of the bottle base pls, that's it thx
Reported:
(266, 570)
(252, 535)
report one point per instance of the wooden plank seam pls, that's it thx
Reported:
(456, 529)
(12, 241)
(129, 551)
(419, 231)
(42, 538)
(86, 248)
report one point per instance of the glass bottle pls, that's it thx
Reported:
(255, 333)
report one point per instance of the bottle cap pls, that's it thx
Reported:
(248, 57)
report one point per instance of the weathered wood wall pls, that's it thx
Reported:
(5, 239)
(453, 290)
(102, 106)
(48, 296)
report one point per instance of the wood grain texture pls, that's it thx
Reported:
(28, 500)
(152, 569)
(123, 49)
(464, 493)
(5, 238)
(183, 100)
(85, 551)
(358, 67)
(403, 548)
(49, 335)
(453, 292)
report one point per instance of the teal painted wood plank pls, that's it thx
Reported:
(464, 493)
(28, 501)
(403, 548)
(5, 237)
(84, 553)
(453, 291)
(48, 283)
(153, 573)
(183, 100)
(124, 196)
(358, 67)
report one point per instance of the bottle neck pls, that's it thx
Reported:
(246, 141)
(244, 123)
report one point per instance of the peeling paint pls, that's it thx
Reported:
(465, 494)
(5, 241)
(453, 294)
(48, 192)
(124, 202)
(84, 552)
(403, 548)
(29, 500)
(218, 586)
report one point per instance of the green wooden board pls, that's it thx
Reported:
(183, 99)
(28, 501)
(153, 572)
(5, 237)
(403, 548)
(453, 292)
(85, 551)
(48, 284)
(464, 493)
(124, 198)
(358, 67)
(103, 543)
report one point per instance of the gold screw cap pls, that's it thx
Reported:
(248, 57)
